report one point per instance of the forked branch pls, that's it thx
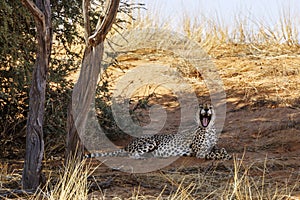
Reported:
(36, 12)
(103, 27)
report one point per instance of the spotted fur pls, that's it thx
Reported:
(218, 154)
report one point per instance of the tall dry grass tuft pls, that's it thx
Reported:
(71, 183)
(184, 190)
(245, 186)
(207, 32)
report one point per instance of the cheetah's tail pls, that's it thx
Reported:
(117, 153)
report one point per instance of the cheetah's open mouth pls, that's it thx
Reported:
(205, 120)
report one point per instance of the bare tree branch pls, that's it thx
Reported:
(86, 19)
(103, 28)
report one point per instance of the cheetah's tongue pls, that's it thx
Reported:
(205, 122)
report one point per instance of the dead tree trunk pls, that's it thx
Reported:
(85, 88)
(32, 172)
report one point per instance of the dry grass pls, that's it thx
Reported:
(247, 187)
(239, 181)
(259, 35)
(72, 183)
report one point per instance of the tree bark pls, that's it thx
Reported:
(85, 88)
(32, 172)
(83, 95)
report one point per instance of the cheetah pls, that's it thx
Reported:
(204, 141)
(199, 142)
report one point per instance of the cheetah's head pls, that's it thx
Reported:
(205, 114)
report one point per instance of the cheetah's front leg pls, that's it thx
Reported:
(218, 154)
